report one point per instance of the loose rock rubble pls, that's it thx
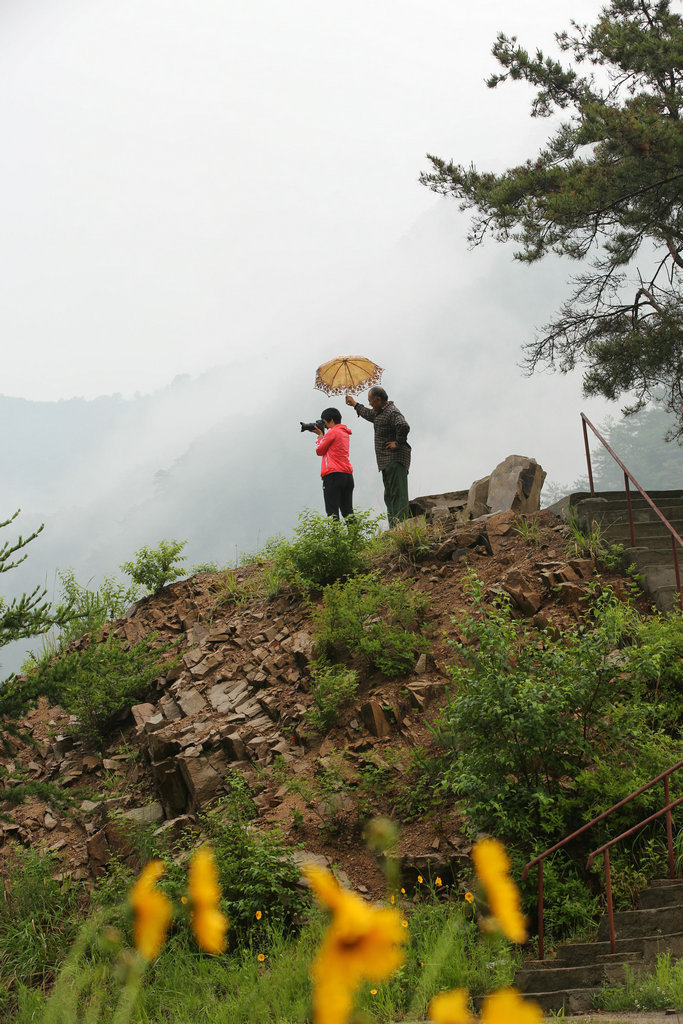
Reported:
(236, 702)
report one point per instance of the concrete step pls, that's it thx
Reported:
(615, 497)
(648, 946)
(551, 978)
(652, 552)
(632, 924)
(569, 983)
(645, 558)
(648, 535)
(566, 1001)
(666, 599)
(665, 892)
(642, 514)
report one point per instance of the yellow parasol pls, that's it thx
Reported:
(348, 374)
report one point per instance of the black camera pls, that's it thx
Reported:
(311, 426)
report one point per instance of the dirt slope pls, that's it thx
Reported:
(237, 703)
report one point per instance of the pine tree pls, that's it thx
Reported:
(28, 615)
(606, 189)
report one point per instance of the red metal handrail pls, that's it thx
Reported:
(606, 847)
(675, 539)
(584, 828)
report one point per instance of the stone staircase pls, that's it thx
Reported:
(568, 983)
(652, 554)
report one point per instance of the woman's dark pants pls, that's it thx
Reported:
(338, 494)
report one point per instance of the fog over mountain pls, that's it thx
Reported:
(218, 459)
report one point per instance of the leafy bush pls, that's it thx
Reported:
(377, 620)
(552, 705)
(655, 658)
(324, 549)
(92, 684)
(257, 872)
(89, 610)
(332, 686)
(153, 568)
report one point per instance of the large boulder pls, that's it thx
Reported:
(514, 485)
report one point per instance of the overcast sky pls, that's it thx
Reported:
(185, 180)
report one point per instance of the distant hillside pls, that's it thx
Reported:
(218, 458)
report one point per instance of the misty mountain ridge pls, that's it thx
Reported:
(217, 458)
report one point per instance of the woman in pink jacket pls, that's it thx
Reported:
(336, 470)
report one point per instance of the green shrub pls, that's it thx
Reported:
(90, 610)
(153, 568)
(380, 621)
(332, 687)
(257, 872)
(324, 549)
(572, 905)
(236, 592)
(655, 658)
(18, 792)
(95, 683)
(81, 611)
(400, 783)
(529, 712)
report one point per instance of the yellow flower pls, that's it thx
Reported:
(403, 892)
(153, 911)
(392, 899)
(404, 924)
(508, 1007)
(208, 923)
(260, 958)
(420, 879)
(362, 942)
(438, 882)
(469, 897)
(183, 899)
(492, 865)
(373, 991)
(450, 1007)
(259, 915)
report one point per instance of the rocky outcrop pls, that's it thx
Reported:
(238, 697)
(514, 485)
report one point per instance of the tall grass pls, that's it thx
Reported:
(185, 986)
(660, 990)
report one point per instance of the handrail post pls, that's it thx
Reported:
(588, 455)
(669, 828)
(630, 511)
(540, 910)
(610, 906)
(677, 571)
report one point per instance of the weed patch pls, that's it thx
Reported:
(332, 686)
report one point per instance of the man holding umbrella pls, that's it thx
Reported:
(391, 450)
